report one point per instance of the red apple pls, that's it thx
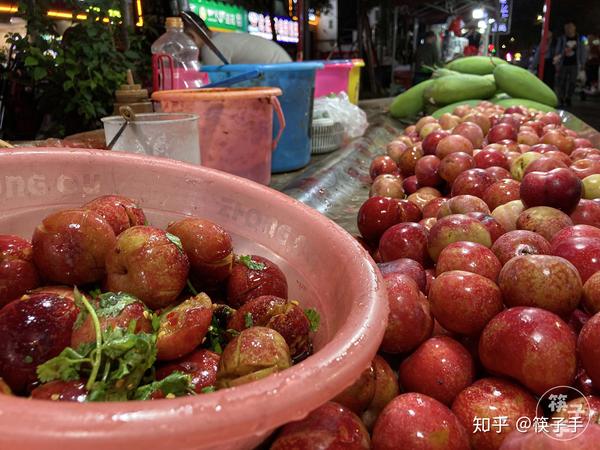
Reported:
(502, 131)
(386, 389)
(464, 302)
(506, 344)
(581, 409)
(487, 399)
(32, 331)
(416, 421)
(590, 299)
(359, 394)
(544, 148)
(559, 188)
(472, 182)
(499, 173)
(428, 223)
(527, 137)
(424, 121)
(395, 148)
(576, 231)
(17, 271)
(543, 281)
(559, 156)
(480, 119)
(469, 257)
(588, 349)
(519, 165)
(422, 197)
(582, 143)
(471, 131)
(454, 164)
(518, 243)
(508, 214)
(545, 164)
(583, 153)
(410, 321)
(208, 247)
(427, 171)
(585, 167)
(432, 208)
(440, 368)
(454, 228)
(376, 215)
(582, 252)
(587, 212)
(453, 144)
(490, 223)
(410, 185)
(201, 365)
(408, 160)
(329, 426)
(501, 192)
(409, 212)
(404, 240)
(543, 220)
(449, 121)
(69, 247)
(387, 185)
(555, 137)
(462, 204)
(591, 187)
(430, 143)
(146, 263)
(381, 165)
(490, 158)
(120, 212)
(404, 266)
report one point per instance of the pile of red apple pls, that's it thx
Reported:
(486, 227)
(107, 246)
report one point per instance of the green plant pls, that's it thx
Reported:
(74, 79)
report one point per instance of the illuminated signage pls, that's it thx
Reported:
(502, 25)
(220, 16)
(286, 29)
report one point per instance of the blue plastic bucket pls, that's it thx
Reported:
(297, 81)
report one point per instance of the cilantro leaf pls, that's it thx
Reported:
(175, 240)
(248, 321)
(66, 366)
(176, 384)
(208, 389)
(112, 304)
(95, 293)
(314, 318)
(251, 264)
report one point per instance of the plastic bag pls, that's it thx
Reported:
(339, 108)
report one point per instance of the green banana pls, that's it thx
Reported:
(410, 103)
(520, 83)
(508, 102)
(476, 65)
(451, 89)
(450, 108)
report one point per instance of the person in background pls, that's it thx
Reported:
(426, 57)
(549, 69)
(239, 48)
(592, 65)
(570, 57)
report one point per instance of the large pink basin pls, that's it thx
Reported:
(326, 269)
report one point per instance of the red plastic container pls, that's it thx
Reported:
(351, 299)
(235, 124)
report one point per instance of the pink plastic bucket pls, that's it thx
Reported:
(326, 268)
(235, 125)
(333, 78)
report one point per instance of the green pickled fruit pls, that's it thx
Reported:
(520, 83)
(410, 103)
(476, 65)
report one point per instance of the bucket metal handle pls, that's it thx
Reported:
(280, 118)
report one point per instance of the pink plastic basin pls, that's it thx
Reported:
(235, 125)
(325, 266)
(333, 78)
